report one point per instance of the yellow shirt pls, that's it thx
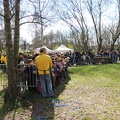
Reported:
(43, 63)
(5, 60)
(2, 59)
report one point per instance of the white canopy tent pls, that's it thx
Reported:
(63, 48)
(37, 50)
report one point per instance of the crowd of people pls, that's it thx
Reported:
(51, 70)
(30, 72)
(90, 58)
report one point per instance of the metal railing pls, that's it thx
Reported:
(27, 76)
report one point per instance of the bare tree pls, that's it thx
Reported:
(11, 11)
(43, 17)
(96, 10)
(12, 22)
(72, 14)
(106, 35)
(115, 29)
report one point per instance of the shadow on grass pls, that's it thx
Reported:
(39, 108)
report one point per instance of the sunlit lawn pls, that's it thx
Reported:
(97, 87)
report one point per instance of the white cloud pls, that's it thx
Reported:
(26, 33)
(59, 26)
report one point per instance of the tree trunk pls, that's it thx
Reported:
(99, 43)
(11, 51)
(0, 45)
(41, 24)
(112, 46)
(16, 39)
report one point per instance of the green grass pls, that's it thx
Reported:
(101, 75)
(3, 80)
(96, 88)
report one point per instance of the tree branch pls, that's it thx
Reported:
(28, 22)
(2, 15)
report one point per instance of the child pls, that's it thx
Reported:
(31, 74)
(58, 72)
(54, 74)
(21, 76)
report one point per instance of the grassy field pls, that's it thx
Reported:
(90, 93)
(3, 79)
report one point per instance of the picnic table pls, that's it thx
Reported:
(101, 59)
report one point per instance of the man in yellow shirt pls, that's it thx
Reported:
(3, 62)
(44, 63)
(2, 58)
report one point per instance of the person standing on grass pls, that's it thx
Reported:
(44, 63)
(30, 71)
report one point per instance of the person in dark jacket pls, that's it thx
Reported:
(31, 75)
